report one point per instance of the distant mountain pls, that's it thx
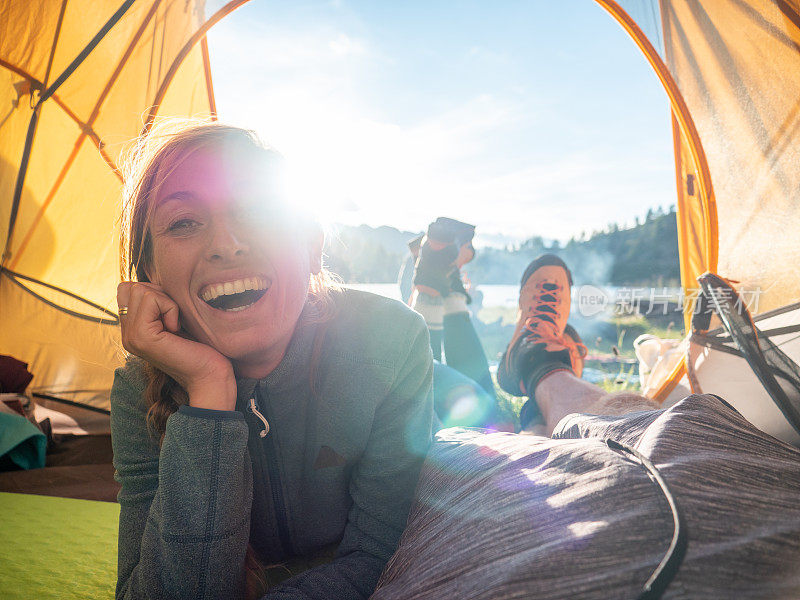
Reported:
(646, 254)
(494, 240)
(393, 240)
(365, 254)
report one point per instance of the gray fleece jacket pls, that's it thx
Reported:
(338, 465)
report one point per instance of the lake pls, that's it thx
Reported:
(493, 295)
(593, 300)
(506, 296)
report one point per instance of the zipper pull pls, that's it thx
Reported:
(263, 433)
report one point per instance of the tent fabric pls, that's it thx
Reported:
(107, 95)
(66, 230)
(732, 79)
(71, 357)
(737, 66)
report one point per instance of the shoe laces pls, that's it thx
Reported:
(577, 350)
(540, 327)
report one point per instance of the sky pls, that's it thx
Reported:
(530, 117)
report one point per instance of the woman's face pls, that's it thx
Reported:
(236, 265)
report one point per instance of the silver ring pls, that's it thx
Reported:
(123, 310)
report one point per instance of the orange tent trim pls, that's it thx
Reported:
(684, 118)
(690, 134)
(198, 36)
(209, 84)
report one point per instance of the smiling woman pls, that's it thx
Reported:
(264, 414)
(216, 222)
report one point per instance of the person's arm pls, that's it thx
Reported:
(382, 485)
(184, 508)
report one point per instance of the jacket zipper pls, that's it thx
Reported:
(274, 477)
(263, 433)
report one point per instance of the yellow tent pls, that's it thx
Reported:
(79, 79)
(732, 74)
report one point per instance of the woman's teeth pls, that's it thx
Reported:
(233, 296)
(236, 308)
(215, 290)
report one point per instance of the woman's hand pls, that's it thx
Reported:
(151, 330)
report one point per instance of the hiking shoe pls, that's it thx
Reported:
(462, 233)
(577, 362)
(539, 344)
(446, 247)
(530, 416)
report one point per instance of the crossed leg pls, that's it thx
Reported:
(544, 359)
(561, 393)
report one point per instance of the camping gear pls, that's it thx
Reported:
(732, 75)
(14, 375)
(22, 445)
(774, 406)
(57, 548)
(78, 80)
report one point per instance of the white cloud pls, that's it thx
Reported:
(344, 44)
(260, 47)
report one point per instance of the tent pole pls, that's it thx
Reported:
(49, 91)
(209, 82)
(687, 127)
(26, 152)
(198, 36)
(87, 50)
(679, 108)
(23, 168)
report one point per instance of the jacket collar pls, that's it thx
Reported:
(294, 366)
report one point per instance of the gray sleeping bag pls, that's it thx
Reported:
(500, 515)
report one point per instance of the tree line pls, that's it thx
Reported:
(645, 254)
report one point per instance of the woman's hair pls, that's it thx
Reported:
(154, 157)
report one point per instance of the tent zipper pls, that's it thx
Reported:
(274, 477)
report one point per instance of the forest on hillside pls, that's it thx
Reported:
(643, 255)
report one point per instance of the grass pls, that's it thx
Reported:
(624, 381)
(508, 406)
(506, 315)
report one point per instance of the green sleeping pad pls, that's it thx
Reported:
(57, 547)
